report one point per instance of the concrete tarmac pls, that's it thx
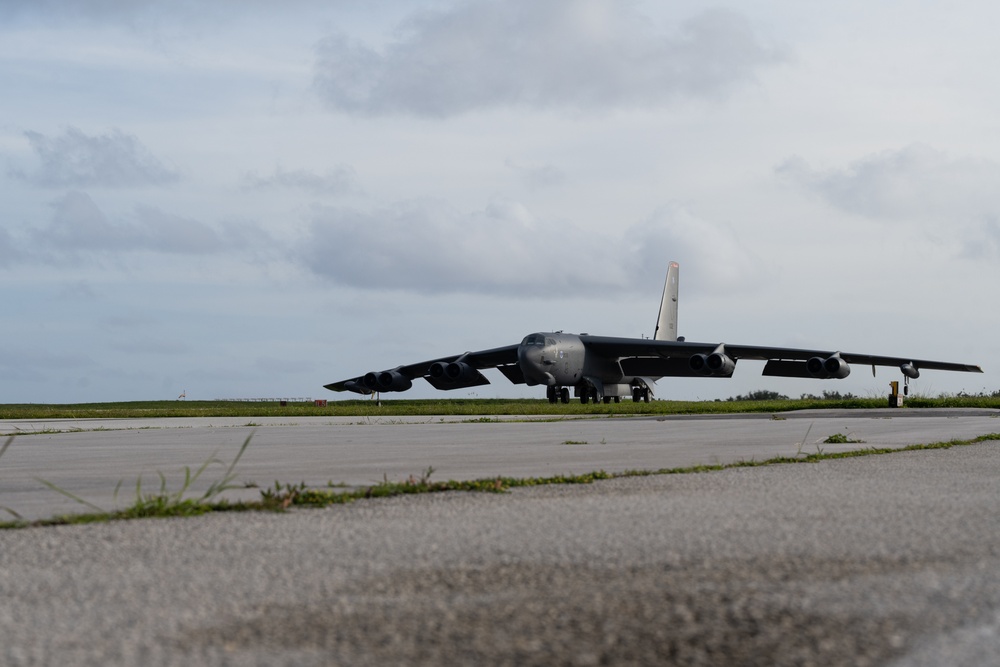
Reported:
(89, 458)
(876, 560)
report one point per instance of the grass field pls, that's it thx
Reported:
(487, 407)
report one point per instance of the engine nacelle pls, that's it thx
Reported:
(387, 381)
(831, 367)
(910, 371)
(720, 364)
(699, 364)
(455, 371)
(716, 363)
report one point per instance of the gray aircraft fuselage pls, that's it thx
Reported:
(559, 359)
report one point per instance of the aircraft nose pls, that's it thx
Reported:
(525, 356)
(529, 358)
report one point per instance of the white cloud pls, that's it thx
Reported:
(983, 242)
(78, 226)
(713, 256)
(112, 160)
(337, 181)
(9, 253)
(428, 247)
(576, 54)
(538, 177)
(913, 183)
(142, 14)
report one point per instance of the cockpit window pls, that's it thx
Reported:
(533, 339)
(550, 342)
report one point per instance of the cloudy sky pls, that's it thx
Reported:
(251, 199)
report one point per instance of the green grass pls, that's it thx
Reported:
(163, 503)
(282, 497)
(841, 439)
(454, 406)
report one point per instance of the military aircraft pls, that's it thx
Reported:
(601, 368)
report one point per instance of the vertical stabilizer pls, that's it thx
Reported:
(666, 323)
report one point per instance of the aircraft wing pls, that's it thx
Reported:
(457, 371)
(673, 358)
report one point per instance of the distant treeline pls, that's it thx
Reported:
(767, 395)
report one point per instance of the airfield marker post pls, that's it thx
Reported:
(895, 400)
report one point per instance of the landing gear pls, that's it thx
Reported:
(587, 394)
(640, 394)
(557, 394)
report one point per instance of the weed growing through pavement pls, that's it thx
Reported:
(841, 439)
(164, 503)
(3, 449)
(798, 451)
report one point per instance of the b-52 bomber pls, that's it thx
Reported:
(601, 368)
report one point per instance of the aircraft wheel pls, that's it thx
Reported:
(645, 394)
(550, 393)
(618, 399)
(585, 396)
(635, 395)
(607, 399)
(564, 394)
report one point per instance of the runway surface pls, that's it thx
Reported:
(876, 560)
(90, 457)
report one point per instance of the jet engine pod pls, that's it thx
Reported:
(458, 371)
(453, 372)
(448, 375)
(720, 364)
(716, 363)
(357, 387)
(831, 367)
(387, 381)
(699, 364)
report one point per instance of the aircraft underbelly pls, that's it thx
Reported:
(608, 370)
(574, 362)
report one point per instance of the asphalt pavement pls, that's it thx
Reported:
(877, 560)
